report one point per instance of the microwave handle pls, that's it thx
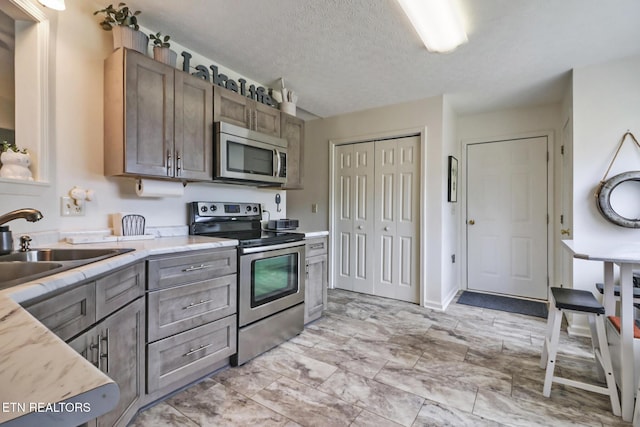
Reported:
(276, 172)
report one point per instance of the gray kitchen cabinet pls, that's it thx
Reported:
(315, 296)
(116, 347)
(292, 129)
(68, 313)
(231, 107)
(191, 317)
(107, 318)
(158, 121)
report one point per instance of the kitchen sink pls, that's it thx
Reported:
(61, 254)
(21, 267)
(16, 270)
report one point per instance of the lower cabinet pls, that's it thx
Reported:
(315, 296)
(104, 320)
(116, 347)
(191, 318)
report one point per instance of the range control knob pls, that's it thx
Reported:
(214, 208)
(248, 208)
(255, 209)
(203, 209)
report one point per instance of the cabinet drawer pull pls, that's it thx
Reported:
(317, 246)
(169, 163)
(178, 163)
(197, 267)
(105, 355)
(195, 304)
(194, 350)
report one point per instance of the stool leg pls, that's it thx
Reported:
(547, 335)
(552, 351)
(603, 353)
(595, 345)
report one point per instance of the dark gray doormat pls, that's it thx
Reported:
(498, 302)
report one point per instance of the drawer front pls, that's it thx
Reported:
(69, 313)
(118, 289)
(190, 267)
(180, 308)
(174, 358)
(317, 246)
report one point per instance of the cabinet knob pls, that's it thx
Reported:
(471, 222)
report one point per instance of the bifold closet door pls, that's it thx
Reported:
(396, 218)
(376, 216)
(353, 194)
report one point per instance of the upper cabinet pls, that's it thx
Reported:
(158, 120)
(292, 129)
(231, 107)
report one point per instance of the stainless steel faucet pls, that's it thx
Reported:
(31, 215)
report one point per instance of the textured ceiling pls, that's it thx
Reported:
(349, 55)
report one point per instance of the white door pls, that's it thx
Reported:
(507, 217)
(566, 204)
(353, 194)
(397, 218)
(376, 217)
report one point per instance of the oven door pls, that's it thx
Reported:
(248, 160)
(271, 280)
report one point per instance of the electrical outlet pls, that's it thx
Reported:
(69, 208)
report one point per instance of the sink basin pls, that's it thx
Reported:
(61, 254)
(11, 271)
(21, 267)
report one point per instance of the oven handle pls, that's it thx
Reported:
(271, 247)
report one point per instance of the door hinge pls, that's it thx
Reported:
(547, 218)
(561, 219)
(547, 156)
(562, 150)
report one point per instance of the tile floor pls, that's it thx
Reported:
(377, 362)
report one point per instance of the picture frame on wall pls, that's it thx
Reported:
(452, 193)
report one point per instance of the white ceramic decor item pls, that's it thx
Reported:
(15, 165)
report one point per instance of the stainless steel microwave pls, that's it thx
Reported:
(244, 155)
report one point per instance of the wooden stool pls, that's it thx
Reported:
(582, 302)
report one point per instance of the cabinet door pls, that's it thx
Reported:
(231, 107)
(265, 119)
(292, 129)
(69, 313)
(149, 102)
(315, 296)
(193, 127)
(118, 289)
(122, 359)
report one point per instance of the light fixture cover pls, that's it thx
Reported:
(53, 4)
(437, 22)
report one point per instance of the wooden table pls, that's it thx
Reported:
(625, 255)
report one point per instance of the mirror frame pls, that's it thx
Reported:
(32, 88)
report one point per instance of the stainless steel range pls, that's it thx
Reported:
(270, 274)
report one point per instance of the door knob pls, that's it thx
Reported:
(565, 231)
(386, 229)
(359, 227)
(471, 222)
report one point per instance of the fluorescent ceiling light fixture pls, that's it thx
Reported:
(53, 4)
(437, 22)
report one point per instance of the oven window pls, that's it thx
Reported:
(273, 278)
(248, 159)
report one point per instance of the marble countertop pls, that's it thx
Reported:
(312, 234)
(51, 384)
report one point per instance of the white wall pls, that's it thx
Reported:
(606, 103)
(79, 47)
